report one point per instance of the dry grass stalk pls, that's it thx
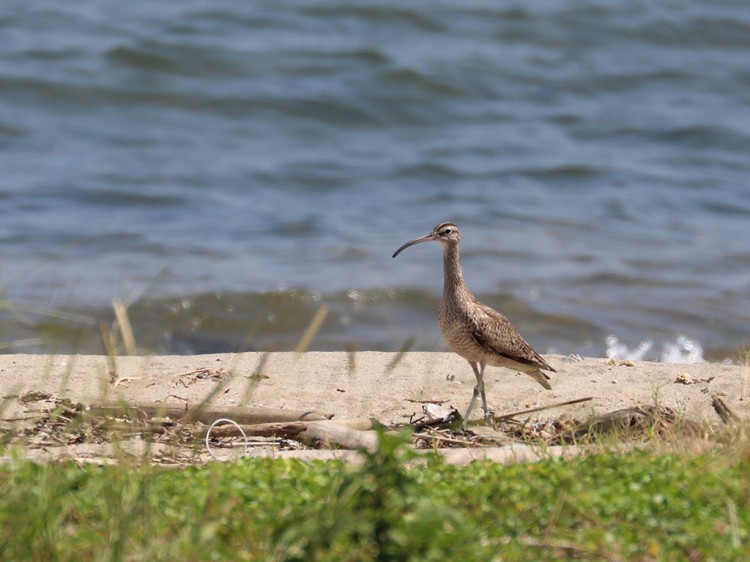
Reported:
(126, 330)
(315, 324)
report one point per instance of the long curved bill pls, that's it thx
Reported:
(428, 238)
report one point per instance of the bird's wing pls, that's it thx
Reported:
(494, 331)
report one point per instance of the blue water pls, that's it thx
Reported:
(227, 168)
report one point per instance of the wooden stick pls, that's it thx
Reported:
(724, 412)
(184, 413)
(541, 408)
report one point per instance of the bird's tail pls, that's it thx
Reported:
(539, 376)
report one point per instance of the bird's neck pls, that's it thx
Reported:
(453, 283)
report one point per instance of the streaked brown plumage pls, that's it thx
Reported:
(473, 330)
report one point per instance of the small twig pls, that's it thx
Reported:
(439, 402)
(123, 380)
(193, 372)
(189, 377)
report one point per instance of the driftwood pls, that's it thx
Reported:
(185, 414)
(336, 434)
(312, 426)
(308, 427)
(175, 423)
(724, 412)
(629, 422)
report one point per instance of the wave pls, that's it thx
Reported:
(373, 320)
(681, 350)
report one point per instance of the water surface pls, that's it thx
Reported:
(229, 168)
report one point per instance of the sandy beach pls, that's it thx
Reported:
(384, 386)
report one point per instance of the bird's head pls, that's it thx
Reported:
(445, 233)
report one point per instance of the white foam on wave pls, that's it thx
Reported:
(682, 350)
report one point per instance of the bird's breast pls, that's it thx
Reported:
(457, 330)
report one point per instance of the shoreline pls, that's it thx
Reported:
(386, 386)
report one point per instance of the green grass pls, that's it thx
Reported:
(619, 506)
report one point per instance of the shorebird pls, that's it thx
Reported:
(473, 330)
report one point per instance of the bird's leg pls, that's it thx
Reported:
(478, 390)
(480, 380)
(470, 408)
